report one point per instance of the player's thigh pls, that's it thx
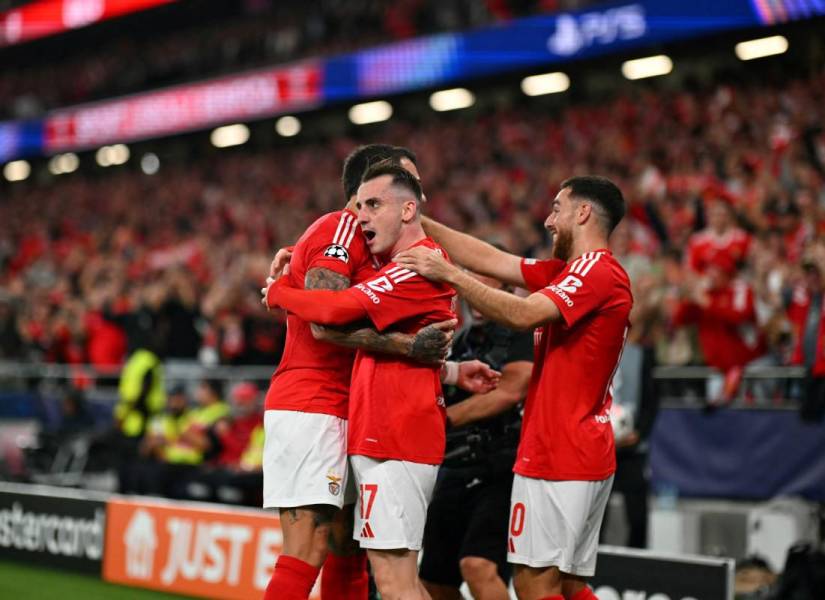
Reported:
(588, 543)
(448, 518)
(304, 459)
(486, 534)
(393, 495)
(552, 522)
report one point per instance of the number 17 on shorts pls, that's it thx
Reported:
(366, 498)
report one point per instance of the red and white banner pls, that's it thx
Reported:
(47, 17)
(185, 107)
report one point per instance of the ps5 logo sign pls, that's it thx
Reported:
(575, 33)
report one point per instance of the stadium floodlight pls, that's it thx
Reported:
(64, 163)
(230, 135)
(108, 156)
(651, 66)
(119, 154)
(288, 126)
(548, 83)
(452, 99)
(370, 112)
(103, 157)
(768, 46)
(17, 170)
(150, 163)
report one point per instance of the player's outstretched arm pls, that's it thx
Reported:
(430, 345)
(503, 307)
(476, 255)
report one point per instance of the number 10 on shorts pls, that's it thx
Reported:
(368, 493)
(516, 524)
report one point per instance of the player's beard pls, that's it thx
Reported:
(562, 244)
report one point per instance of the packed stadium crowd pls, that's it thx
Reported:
(726, 209)
(253, 34)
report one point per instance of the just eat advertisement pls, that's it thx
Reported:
(200, 550)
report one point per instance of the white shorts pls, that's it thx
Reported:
(557, 523)
(393, 496)
(305, 460)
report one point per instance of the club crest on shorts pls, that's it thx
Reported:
(334, 483)
(339, 252)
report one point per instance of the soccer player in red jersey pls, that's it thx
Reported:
(579, 308)
(305, 461)
(397, 418)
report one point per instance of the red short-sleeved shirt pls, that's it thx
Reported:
(396, 408)
(566, 434)
(314, 376)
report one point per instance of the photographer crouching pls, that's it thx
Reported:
(465, 538)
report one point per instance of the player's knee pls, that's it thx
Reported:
(477, 571)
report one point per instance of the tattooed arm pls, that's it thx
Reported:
(429, 345)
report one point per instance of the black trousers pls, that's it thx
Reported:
(631, 481)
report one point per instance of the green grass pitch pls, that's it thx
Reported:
(20, 581)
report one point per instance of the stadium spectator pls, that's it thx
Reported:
(806, 311)
(723, 310)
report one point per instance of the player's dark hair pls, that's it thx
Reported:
(360, 160)
(601, 191)
(400, 177)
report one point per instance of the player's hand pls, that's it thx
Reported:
(280, 264)
(432, 343)
(270, 281)
(477, 377)
(426, 262)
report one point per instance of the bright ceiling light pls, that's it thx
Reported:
(288, 126)
(549, 83)
(230, 135)
(17, 170)
(150, 163)
(370, 112)
(103, 156)
(651, 66)
(776, 44)
(119, 154)
(452, 99)
(64, 163)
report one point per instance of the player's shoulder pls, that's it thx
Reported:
(429, 242)
(599, 265)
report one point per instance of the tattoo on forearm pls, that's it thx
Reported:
(429, 345)
(356, 335)
(324, 279)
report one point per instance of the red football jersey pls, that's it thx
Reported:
(396, 408)
(566, 434)
(706, 248)
(314, 376)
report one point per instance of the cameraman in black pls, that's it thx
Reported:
(465, 538)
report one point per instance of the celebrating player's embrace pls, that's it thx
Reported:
(393, 403)
(395, 437)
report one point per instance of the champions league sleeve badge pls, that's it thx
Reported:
(339, 252)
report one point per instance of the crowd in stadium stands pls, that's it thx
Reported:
(724, 240)
(269, 33)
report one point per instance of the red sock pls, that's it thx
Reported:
(584, 594)
(292, 579)
(345, 577)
